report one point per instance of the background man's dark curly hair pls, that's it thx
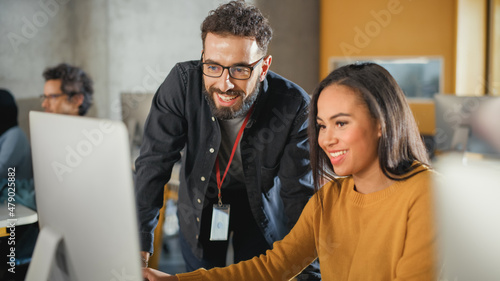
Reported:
(74, 81)
(238, 19)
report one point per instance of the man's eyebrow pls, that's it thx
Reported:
(234, 64)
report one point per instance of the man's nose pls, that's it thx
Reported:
(224, 82)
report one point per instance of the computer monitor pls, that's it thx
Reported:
(85, 200)
(467, 217)
(460, 127)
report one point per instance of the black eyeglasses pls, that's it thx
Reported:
(51, 97)
(239, 72)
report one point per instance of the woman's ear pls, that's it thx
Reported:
(266, 63)
(379, 130)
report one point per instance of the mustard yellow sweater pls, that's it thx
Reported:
(385, 235)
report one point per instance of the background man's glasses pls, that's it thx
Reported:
(50, 97)
(239, 72)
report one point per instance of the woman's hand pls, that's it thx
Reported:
(155, 275)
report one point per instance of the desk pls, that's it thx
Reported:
(23, 215)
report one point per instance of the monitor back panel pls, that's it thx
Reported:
(84, 191)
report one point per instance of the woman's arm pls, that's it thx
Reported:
(287, 258)
(155, 275)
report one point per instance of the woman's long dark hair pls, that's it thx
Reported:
(400, 145)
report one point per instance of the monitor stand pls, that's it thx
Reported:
(48, 261)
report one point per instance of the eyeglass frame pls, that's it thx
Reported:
(50, 96)
(250, 66)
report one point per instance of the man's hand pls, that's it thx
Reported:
(155, 275)
(144, 258)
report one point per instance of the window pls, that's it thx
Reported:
(419, 77)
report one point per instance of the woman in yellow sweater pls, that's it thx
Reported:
(373, 220)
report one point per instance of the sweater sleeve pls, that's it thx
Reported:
(287, 258)
(418, 258)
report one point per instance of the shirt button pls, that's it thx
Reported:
(211, 150)
(199, 200)
(202, 178)
(213, 118)
(197, 219)
(196, 237)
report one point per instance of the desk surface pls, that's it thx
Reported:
(21, 215)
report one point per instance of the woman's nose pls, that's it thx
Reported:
(329, 138)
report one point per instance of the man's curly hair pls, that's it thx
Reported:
(74, 81)
(239, 19)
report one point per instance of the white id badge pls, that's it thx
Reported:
(220, 223)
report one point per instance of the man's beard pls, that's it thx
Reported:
(226, 112)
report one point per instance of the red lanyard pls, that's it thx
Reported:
(217, 169)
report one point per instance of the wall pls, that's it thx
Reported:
(391, 28)
(32, 35)
(471, 47)
(90, 46)
(494, 49)
(295, 44)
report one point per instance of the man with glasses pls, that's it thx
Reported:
(67, 90)
(245, 172)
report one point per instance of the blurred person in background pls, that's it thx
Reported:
(15, 153)
(67, 90)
